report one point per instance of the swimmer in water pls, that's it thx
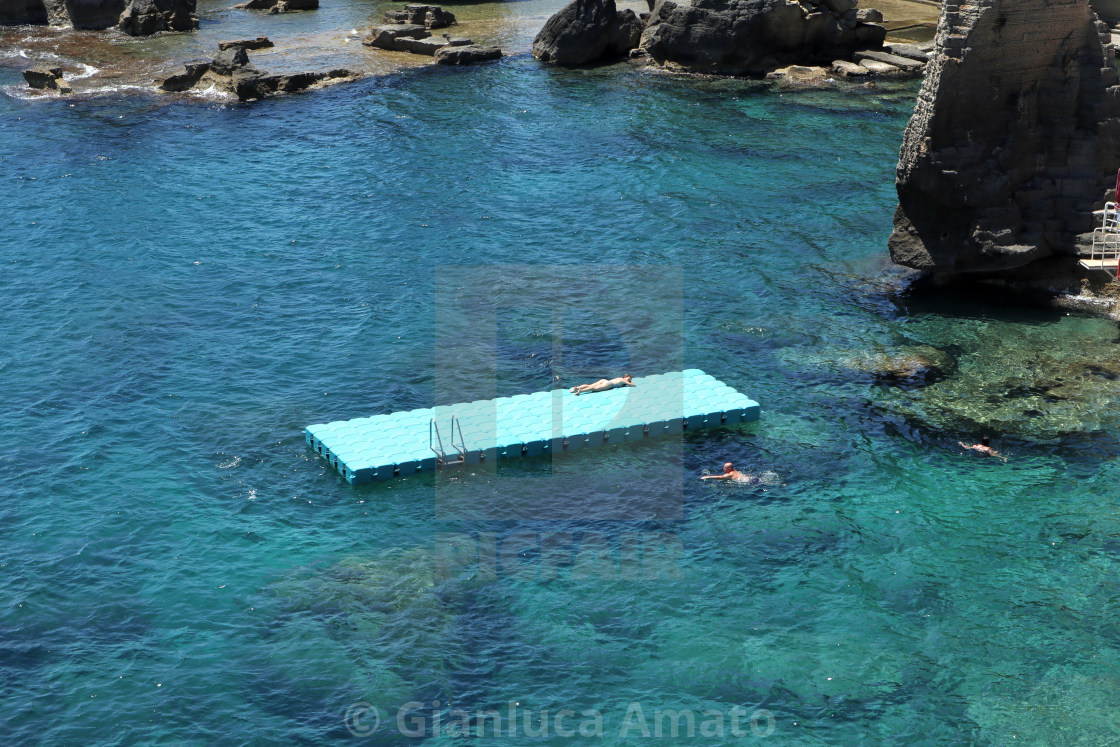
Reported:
(984, 447)
(730, 473)
(603, 385)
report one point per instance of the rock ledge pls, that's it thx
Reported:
(231, 72)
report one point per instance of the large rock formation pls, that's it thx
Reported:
(135, 17)
(586, 31)
(1015, 138)
(754, 36)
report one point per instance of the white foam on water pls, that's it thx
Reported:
(103, 90)
(770, 478)
(22, 92)
(212, 93)
(87, 72)
(231, 463)
(30, 55)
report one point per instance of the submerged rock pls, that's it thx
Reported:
(586, 31)
(1033, 382)
(373, 604)
(755, 36)
(913, 365)
(1014, 141)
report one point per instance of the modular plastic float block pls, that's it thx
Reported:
(381, 446)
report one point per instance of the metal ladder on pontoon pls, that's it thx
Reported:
(434, 438)
(1105, 253)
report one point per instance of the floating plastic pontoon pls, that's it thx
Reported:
(404, 443)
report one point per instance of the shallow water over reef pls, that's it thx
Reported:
(186, 285)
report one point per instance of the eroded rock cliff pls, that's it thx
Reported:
(1014, 141)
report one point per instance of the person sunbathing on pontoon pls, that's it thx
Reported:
(603, 385)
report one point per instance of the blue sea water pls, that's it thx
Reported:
(186, 285)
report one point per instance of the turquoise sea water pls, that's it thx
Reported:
(186, 285)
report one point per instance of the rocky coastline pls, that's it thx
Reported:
(84, 43)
